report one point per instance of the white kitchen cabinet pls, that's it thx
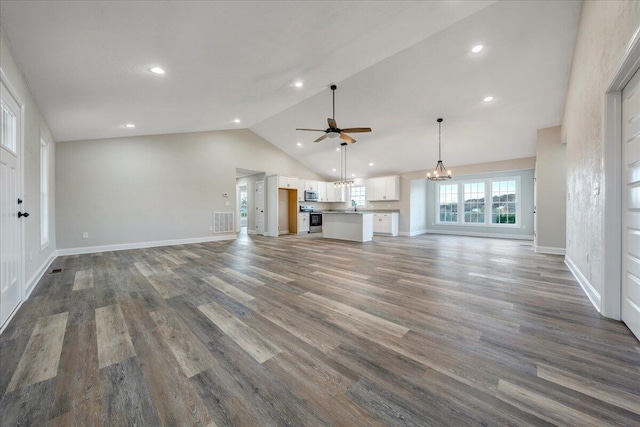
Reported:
(385, 223)
(310, 185)
(287, 182)
(334, 194)
(303, 222)
(301, 185)
(383, 188)
(322, 191)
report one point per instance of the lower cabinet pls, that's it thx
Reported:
(303, 222)
(385, 223)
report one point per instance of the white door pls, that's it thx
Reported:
(631, 205)
(260, 207)
(10, 227)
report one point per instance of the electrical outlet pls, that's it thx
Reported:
(85, 235)
(228, 203)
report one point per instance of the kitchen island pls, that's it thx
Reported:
(352, 226)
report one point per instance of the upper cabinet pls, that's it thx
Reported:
(310, 185)
(334, 194)
(383, 188)
(287, 182)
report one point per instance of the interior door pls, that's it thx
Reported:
(260, 207)
(10, 227)
(631, 205)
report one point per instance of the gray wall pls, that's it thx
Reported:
(604, 30)
(34, 125)
(525, 230)
(551, 189)
(155, 188)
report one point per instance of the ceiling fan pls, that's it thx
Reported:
(333, 131)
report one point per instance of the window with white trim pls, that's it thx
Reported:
(491, 202)
(358, 195)
(448, 203)
(474, 197)
(503, 202)
(44, 193)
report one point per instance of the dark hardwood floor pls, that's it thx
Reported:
(301, 331)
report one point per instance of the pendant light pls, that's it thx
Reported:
(440, 173)
(343, 168)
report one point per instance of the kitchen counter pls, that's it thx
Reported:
(348, 225)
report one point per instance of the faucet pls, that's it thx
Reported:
(355, 205)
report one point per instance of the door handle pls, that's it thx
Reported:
(20, 214)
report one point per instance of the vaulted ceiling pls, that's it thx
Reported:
(398, 66)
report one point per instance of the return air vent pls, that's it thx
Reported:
(223, 222)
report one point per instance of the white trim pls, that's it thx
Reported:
(588, 289)
(611, 188)
(475, 234)
(413, 233)
(143, 245)
(549, 250)
(30, 286)
(35, 278)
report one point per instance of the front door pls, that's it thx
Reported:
(631, 205)
(10, 228)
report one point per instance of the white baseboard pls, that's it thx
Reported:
(143, 245)
(413, 233)
(35, 278)
(30, 285)
(588, 289)
(550, 250)
(476, 234)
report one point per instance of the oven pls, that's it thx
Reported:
(315, 222)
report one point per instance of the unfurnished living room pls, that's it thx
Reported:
(312, 213)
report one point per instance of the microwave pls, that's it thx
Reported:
(310, 196)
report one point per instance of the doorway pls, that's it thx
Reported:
(11, 231)
(243, 213)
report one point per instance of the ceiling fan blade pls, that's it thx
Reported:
(332, 124)
(314, 130)
(356, 130)
(347, 138)
(321, 138)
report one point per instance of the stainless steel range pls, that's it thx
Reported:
(315, 218)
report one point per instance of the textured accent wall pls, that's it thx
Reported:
(605, 28)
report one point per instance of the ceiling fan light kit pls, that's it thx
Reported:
(333, 131)
(440, 173)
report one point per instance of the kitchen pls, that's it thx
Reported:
(337, 211)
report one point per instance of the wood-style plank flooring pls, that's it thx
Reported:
(301, 331)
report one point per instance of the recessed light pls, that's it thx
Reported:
(299, 144)
(298, 84)
(130, 125)
(236, 120)
(157, 70)
(371, 164)
(477, 48)
(334, 170)
(353, 174)
(488, 99)
(337, 149)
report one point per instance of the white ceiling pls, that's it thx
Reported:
(398, 65)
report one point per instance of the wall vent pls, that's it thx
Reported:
(223, 222)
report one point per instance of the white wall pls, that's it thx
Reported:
(418, 206)
(34, 126)
(155, 188)
(551, 189)
(604, 30)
